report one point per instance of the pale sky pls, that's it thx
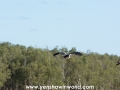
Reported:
(85, 24)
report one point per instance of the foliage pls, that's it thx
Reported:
(21, 66)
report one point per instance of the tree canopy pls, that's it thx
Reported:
(21, 66)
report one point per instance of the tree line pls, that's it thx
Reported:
(22, 66)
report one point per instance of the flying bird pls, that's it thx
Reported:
(65, 56)
(118, 62)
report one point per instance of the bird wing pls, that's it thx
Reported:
(63, 53)
(55, 54)
(77, 53)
